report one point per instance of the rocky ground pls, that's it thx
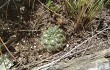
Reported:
(21, 29)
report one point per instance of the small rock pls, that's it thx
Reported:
(101, 64)
(5, 64)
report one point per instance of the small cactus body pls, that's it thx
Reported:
(53, 39)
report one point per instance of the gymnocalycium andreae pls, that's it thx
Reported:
(53, 39)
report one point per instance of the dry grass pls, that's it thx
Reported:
(82, 12)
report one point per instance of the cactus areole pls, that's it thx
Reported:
(53, 39)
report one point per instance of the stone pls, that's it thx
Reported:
(5, 64)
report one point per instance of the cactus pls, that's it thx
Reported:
(53, 39)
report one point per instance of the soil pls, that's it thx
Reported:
(27, 25)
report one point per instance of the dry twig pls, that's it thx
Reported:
(6, 47)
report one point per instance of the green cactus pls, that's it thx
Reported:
(53, 39)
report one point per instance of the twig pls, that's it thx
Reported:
(66, 55)
(4, 4)
(6, 47)
(28, 30)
